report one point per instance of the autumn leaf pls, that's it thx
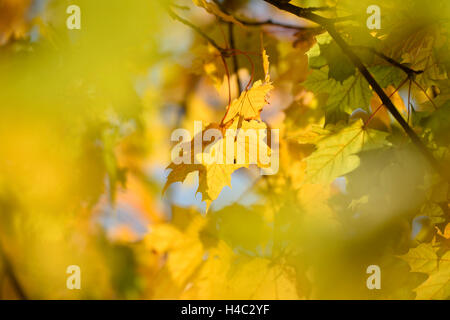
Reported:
(215, 164)
(183, 248)
(212, 167)
(213, 178)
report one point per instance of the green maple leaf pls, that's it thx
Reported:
(315, 59)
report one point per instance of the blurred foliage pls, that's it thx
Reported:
(86, 118)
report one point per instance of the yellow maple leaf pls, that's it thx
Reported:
(214, 9)
(423, 258)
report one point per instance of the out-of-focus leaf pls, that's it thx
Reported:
(423, 258)
(353, 93)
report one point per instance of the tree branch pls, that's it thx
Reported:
(328, 24)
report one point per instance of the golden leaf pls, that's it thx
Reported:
(214, 9)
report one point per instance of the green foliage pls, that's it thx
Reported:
(336, 153)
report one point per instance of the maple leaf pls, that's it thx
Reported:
(214, 9)
(213, 178)
(250, 102)
(214, 165)
(423, 258)
(336, 153)
(434, 212)
(208, 61)
(437, 286)
(439, 123)
(210, 281)
(250, 147)
(315, 59)
(213, 175)
(353, 93)
(381, 118)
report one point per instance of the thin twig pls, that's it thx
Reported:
(235, 60)
(9, 272)
(408, 71)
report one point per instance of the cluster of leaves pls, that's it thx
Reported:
(352, 189)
